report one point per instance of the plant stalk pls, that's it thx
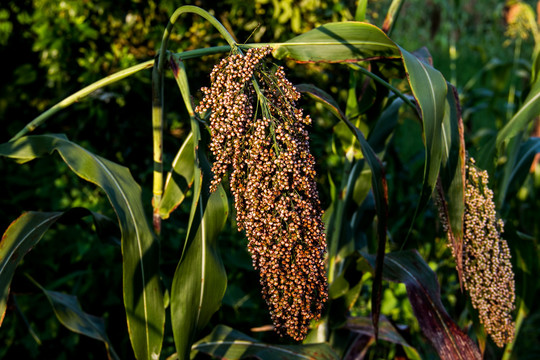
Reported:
(157, 100)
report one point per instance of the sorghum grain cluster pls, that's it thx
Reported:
(487, 270)
(259, 136)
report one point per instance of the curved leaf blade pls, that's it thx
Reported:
(143, 299)
(19, 238)
(227, 343)
(423, 290)
(528, 111)
(429, 89)
(338, 42)
(69, 312)
(200, 280)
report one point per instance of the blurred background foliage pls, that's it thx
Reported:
(51, 49)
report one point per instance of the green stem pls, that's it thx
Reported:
(157, 100)
(196, 10)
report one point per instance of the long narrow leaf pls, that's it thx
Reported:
(227, 343)
(423, 290)
(429, 89)
(451, 188)
(143, 299)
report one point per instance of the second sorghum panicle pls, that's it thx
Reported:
(487, 270)
(260, 137)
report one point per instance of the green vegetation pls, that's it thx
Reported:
(114, 246)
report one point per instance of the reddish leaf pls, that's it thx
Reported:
(423, 290)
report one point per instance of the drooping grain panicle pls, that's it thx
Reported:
(259, 136)
(488, 274)
(487, 270)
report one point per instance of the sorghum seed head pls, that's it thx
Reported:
(259, 136)
(487, 270)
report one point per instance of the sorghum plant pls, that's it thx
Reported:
(260, 135)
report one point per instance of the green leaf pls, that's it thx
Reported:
(378, 183)
(423, 290)
(69, 312)
(338, 42)
(528, 111)
(200, 280)
(429, 89)
(143, 298)
(179, 179)
(227, 343)
(19, 238)
(387, 332)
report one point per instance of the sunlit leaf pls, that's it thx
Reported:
(179, 179)
(143, 299)
(230, 344)
(429, 89)
(69, 312)
(528, 111)
(423, 290)
(338, 42)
